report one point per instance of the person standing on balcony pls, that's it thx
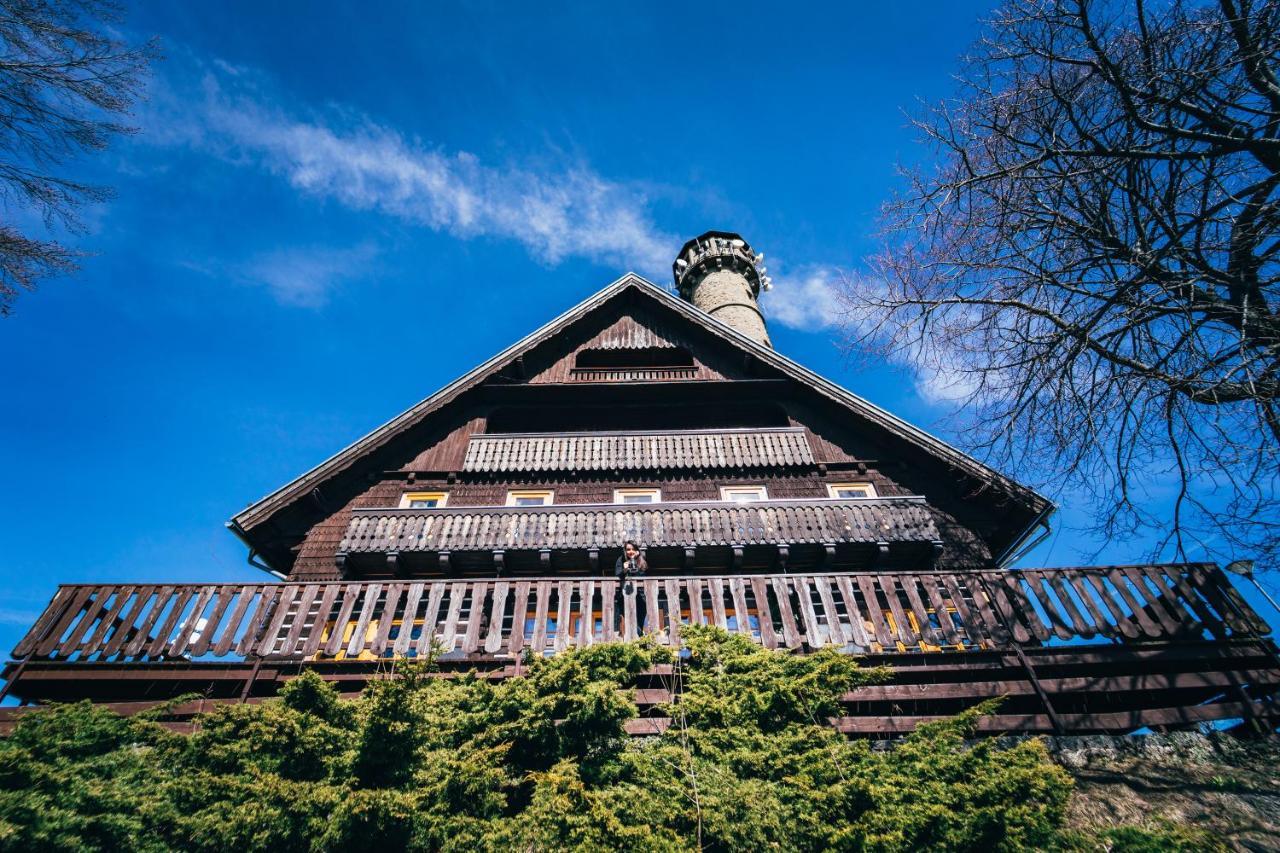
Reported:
(630, 565)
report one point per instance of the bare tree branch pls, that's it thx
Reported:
(1096, 257)
(65, 84)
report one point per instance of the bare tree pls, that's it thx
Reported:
(66, 82)
(1093, 262)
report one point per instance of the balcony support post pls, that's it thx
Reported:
(593, 557)
(253, 676)
(784, 554)
(1058, 727)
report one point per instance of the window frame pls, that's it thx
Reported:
(620, 494)
(514, 494)
(762, 493)
(833, 488)
(407, 499)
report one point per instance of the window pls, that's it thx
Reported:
(533, 497)
(851, 490)
(423, 500)
(637, 496)
(741, 494)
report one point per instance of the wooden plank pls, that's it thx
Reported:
(888, 639)
(999, 600)
(587, 601)
(628, 613)
(1207, 616)
(564, 626)
(1082, 624)
(652, 616)
(497, 614)
(857, 630)
(696, 616)
(980, 621)
(74, 610)
(1137, 609)
(229, 630)
(449, 633)
(161, 641)
(312, 645)
(608, 591)
(1212, 576)
(782, 591)
(1062, 629)
(359, 635)
(760, 592)
(92, 609)
(110, 620)
(939, 605)
(256, 625)
(1228, 612)
(475, 616)
(716, 590)
(1123, 621)
(53, 611)
(338, 633)
(1007, 587)
(1115, 722)
(539, 643)
(1183, 621)
(805, 596)
(906, 634)
(183, 640)
(928, 633)
(672, 589)
(1102, 624)
(386, 618)
(300, 615)
(226, 593)
(519, 615)
(271, 628)
(1093, 684)
(741, 616)
(1166, 615)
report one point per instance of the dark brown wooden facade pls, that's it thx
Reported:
(637, 390)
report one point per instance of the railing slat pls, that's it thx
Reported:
(54, 611)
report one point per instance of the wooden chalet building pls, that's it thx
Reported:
(487, 520)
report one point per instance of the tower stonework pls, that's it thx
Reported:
(720, 274)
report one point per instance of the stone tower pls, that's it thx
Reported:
(719, 273)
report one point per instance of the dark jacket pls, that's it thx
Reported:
(620, 571)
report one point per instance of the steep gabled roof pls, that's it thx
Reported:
(260, 512)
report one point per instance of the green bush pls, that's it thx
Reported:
(539, 762)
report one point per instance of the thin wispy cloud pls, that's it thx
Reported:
(305, 276)
(366, 166)
(342, 156)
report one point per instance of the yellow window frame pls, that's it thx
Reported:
(407, 499)
(868, 490)
(516, 494)
(619, 495)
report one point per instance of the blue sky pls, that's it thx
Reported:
(331, 210)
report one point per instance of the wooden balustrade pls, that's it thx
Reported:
(494, 618)
(668, 524)
(668, 450)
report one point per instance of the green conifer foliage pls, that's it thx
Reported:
(540, 762)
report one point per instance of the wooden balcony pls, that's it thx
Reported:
(867, 612)
(1171, 645)
(625, 451)
(674, 533)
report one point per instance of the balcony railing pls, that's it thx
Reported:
(610, 451)
(676, 525)
(498, 618)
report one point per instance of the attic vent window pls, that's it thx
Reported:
(591, 359)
